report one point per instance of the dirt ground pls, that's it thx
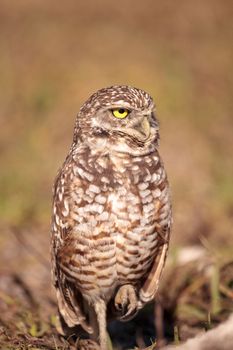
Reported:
(52, 57)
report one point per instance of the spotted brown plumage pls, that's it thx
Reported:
(111, 213)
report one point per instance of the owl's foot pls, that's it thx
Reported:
(126, 302)
(87, 344)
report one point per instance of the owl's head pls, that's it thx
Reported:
(119, 118)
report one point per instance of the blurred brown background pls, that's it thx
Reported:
(53, 55)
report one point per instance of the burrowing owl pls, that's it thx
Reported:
(111, 213)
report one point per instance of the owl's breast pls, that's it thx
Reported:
(140, 209)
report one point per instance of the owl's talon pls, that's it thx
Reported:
(126, 302)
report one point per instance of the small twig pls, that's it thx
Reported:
(55, 343)
(214, 290)
(226, 291)
(176, 335)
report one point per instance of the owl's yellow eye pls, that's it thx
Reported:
(120, 113)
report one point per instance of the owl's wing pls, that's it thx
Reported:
(163, 226)
(70, 301)
(150, 286)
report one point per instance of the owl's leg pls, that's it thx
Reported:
(126, 302)
(100, 309)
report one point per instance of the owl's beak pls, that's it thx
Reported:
(140, 130)
(143, 129)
